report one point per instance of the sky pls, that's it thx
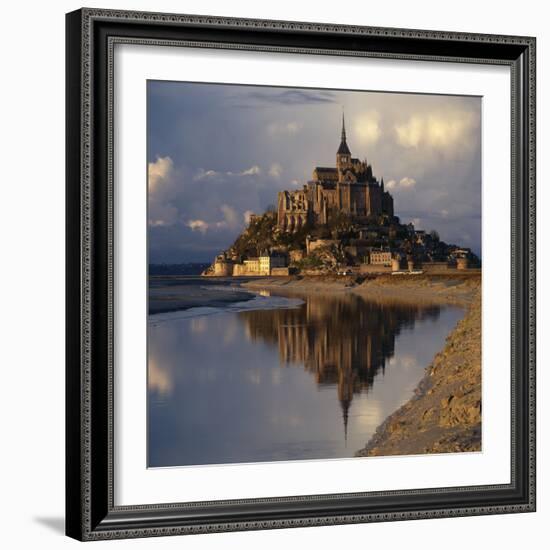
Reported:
(219, 152)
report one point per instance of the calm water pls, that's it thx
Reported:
(306, 382)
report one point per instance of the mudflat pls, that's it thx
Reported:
(167, 294)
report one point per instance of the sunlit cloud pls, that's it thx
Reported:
(367, 128)
(410, 133)
(231, 219)
(403, 183)
(162, 212)
(159, 172)
(252, 171)
(407, 182)
(198, 225)
(203, 174)
(213, 174)
(439, 131)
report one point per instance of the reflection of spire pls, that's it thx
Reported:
(345, 404)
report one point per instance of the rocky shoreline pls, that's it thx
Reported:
(444, 415)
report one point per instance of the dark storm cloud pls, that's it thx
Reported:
(290, 96)
(212, 164)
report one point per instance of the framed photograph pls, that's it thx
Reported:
(300, 274)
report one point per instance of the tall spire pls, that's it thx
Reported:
(343, 149)
(343, 127)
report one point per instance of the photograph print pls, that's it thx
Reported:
(314, 274)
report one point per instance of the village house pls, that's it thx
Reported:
(380, 257)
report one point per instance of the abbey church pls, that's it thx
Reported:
(349, 188)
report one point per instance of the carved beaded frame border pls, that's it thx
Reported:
(91, 513)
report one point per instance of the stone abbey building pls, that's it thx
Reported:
(348, 188)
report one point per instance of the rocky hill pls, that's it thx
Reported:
(341, 243)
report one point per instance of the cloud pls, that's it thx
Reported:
(438, 131)
(367, 127)
(291, 96)
(407, 182)
(161, 176)
(252, 171)
(159, 172)
(198, 225)
(444, 132)
(203, 174)
(230, 215)
(214, 174)
(410, 133)
(284, 128)
(230, 220)
(161, 213)
(403, 183)
(275, 170)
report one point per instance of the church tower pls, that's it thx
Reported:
(343, 155)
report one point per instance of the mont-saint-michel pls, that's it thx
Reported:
(341, 221)
(315, 269)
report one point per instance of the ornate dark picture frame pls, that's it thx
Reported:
(90, 510)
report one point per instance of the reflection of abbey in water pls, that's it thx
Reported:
(344, 340)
